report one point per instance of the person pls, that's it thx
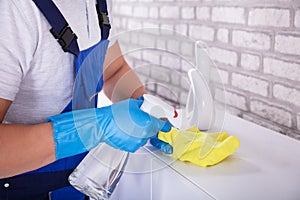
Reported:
(36, 81)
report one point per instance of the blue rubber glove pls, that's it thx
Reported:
(163, 146)
(122, 125)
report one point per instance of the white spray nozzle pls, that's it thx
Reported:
(157, 107)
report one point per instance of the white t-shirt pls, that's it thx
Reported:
(35, 73)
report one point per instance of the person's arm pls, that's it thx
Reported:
(120, 81)
(24, 147)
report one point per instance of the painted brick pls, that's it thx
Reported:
(181, 29)
(231, 98)
(269, 17)
(233, 111)
(117, 20)
(153, 26)
(271, 112)
(185, 65)
(151, 57)
(168, 27)
(161, 44)
(228, 15)
(287, 94)
(282, 69)
(136, 54)
(170, 61)
(287, 44)
(235, 100)
(150, 87)
(253, 40)
(223, 35)
(297, 19)
(142, 69)
(134, 24)
(251, 84)
(222, 77)
(169, 92)
(140, 11)
(183, 99)
(263, 122)
(201, 32)
(170, 12)
(175, 77)
(187, 48)
(298, 121)
(185, 83)
(144, 79)
(134, 38)
(153, 12)
(173, 46)
(125, 10)
(147, 41)
(250, 62)
(202, 13)
(188, 13)
(161, 74)
(223, 56)
(293, 134)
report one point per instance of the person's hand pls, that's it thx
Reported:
(122, 125)
(161, 145)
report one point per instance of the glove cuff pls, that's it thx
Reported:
(66, 133)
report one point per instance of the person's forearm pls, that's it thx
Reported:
(120, 81)
(124, 84)
(25, 147)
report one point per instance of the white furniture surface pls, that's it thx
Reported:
(266, 166)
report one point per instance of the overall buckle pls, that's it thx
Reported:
(65, 37)
(104, 19)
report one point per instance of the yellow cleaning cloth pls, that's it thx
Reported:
(201, 149)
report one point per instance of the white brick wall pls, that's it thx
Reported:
(298, 121)
(151, 57)
(253, 40)
(276, 67)
(169, 12)
(170, 61)
(201, 32)
(287, 44)
(250, 62)
(223, 75)
(223, 56)
(271, 112)
(235, 100)
(256, 45)
(297, 19)
(202, 13)
(269, 17)
(223, 35)
(153, 12)
(181, 29)
(140, 11)
(288, 94)
(125, 10)
(188, 12)
(228, 15)
(250, 84)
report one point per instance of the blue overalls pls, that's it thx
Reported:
(51, 181)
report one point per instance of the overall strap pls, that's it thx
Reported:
(61, 30)
(103, 19)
